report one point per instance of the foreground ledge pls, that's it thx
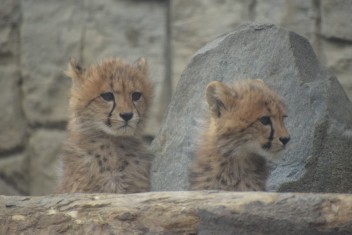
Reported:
(207, 212)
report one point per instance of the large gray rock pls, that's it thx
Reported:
(320, 114)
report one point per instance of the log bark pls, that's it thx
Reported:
(206, 212)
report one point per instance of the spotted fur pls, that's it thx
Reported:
(104, 152)
(245, 129)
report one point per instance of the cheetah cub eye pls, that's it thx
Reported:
(136, 96)
(265, 120)
(107, 96)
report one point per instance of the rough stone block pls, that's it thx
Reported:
(336, 18)
(318, 156)
(9, 22)
(129, 29)
(44, 151)
(12, 121)
(6, 189)
(50, 34)
(9, 12)
(14, 174)
(338, 57)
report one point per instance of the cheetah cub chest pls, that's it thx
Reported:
(104, 152)
(245, 129)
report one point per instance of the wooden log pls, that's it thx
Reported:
(206, 212)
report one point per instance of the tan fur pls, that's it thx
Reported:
(235, 144)
(104, 152)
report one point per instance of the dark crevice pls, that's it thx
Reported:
(20, 79)
(167, 90)
(160, 1)
(337, 41)
(10, 152)
(168, 49)
(25, 141)
(317, 11)
(251, 9)
(317, 28)
(54, 125)
(83, 34)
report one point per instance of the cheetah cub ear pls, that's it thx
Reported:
(141, 65)
(75, 71)
(216, 95)
(259, 81)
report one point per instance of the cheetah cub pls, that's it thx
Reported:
(104, 152)
(246, 128)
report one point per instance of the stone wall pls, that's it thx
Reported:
(37, 37)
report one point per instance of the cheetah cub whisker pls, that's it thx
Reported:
(245, 129)
(104, 152)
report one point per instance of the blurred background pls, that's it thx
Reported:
(37, 38)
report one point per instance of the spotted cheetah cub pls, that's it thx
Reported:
(245, 128)
(104, 152)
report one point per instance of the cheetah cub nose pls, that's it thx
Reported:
(284, 140)
(126, 116)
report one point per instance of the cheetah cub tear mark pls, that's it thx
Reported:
(244, 130)
(109, 104)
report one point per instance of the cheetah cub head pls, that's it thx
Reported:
(112, 97)
(247, 117)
